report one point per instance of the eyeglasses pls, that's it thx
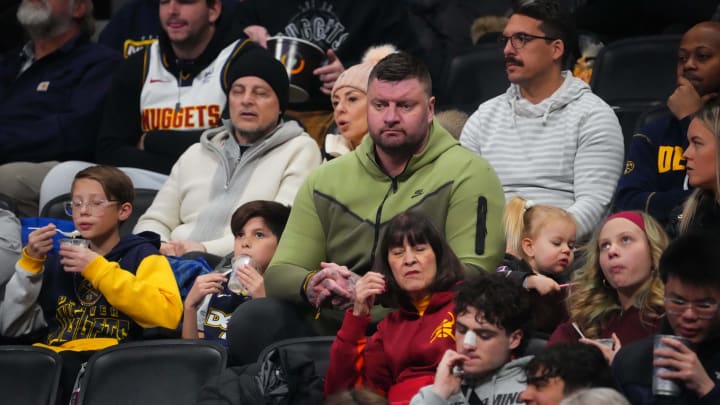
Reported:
(703, 309)
(91, 206)
(519, 39)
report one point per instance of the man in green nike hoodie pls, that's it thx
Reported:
(409, 162)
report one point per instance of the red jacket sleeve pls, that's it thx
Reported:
(347, 355)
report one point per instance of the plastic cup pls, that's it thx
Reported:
(75, 242)
(662, 386)
(609, 343)
(234, 284)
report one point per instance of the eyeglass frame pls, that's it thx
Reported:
(713, 306)
(523, 37)
(90, 205)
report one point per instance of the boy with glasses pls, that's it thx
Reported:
(692, 297)
(87, 298)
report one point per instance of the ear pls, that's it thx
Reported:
(558, 48)
(431, 108)
(79, 9)
(515, 339)
(527, 247)
(124, 211)
(214, 11)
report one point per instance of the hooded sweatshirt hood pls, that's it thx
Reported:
(569, 91)
(436, 145)
(235, 171)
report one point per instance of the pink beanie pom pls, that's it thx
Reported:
(357, 76)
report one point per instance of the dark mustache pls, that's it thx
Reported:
(512, 60)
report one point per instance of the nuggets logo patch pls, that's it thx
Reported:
(629, 166)
(445, 329)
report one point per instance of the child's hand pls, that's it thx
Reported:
(75, 258)
(167, 249)
(210, 283)
(542, 284)
(252, 280)
(186, 246)
(40, 241)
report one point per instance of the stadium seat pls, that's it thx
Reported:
(316, 347)
(534, 346)
(156, 372)
(473, 78)
(636, 75)
(650, 115)
(29, 375)
(143, 198)
(639, 71)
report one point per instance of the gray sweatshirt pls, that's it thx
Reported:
(501, 388)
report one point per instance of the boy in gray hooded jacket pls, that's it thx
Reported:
(491, 328)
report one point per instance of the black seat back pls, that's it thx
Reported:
(29, 375)
(156, 372)
(473, 78)
(639, 70)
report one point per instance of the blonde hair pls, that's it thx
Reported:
(709, 116)
(523, 219)
(593, 301)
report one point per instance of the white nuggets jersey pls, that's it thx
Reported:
(165, 105)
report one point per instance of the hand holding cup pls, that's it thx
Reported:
(75, 254)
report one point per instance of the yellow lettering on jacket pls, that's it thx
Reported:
(670, 158)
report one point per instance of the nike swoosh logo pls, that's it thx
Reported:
(157, 81)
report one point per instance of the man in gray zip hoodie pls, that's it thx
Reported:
(491, 328)
(256, 155)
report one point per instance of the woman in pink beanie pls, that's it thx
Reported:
(349, 102)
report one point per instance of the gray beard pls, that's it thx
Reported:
(39, 21)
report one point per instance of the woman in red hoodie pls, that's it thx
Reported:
(415, 271)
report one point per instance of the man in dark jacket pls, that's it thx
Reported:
(692, 299)
(51, 94)
(654, 180)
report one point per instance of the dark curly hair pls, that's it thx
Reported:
(418, 228)
(499, 301)
(579, 365)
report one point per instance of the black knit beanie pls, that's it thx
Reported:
(252, 60)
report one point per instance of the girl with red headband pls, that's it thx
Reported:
(618, 294)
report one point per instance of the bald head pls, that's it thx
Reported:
(699, 57)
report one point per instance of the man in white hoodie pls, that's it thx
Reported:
(255, 155)
(492, 325)
(549, 138)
